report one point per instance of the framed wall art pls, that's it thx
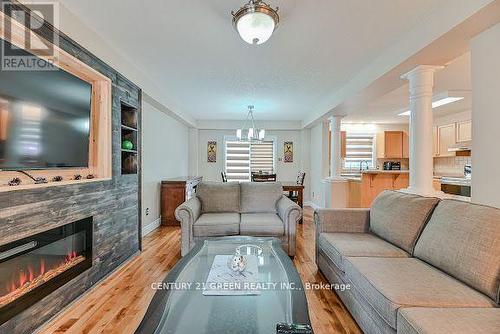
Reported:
(288, 151)
(212, 151)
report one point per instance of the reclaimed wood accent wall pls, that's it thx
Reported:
(114, 205)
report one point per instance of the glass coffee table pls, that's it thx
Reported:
(179, 305)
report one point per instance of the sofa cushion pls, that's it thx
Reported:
(420, 320)
(219, 196)
(217, 224)
(463, 240)
(390, 283)
(261, 224)
(399, 217)
(338, 246)
(260, 197)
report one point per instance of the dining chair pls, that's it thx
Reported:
(293, 195)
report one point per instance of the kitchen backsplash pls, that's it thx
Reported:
(450, 166)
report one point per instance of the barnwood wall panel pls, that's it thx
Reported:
(114, 204)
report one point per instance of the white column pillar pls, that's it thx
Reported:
(336, 187)
(335, 156)
(421, 80)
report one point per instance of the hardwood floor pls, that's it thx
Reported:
(117, 304)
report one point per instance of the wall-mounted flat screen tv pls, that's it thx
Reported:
(44, 120)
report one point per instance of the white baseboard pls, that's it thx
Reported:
(312, 205)
(151, 227)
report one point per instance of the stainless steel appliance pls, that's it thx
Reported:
(392, 165)
(468, 171)
(458, 185)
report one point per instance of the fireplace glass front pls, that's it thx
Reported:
(34, 267)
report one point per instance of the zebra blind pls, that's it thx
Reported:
(359, 151)
(262, 157)
(237, 161)
(244, 157)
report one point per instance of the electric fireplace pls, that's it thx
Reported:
(33, 267)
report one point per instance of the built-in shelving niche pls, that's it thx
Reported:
(129, 131)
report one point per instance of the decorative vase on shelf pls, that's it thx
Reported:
(127, 145)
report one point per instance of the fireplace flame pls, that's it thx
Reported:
(35, 274)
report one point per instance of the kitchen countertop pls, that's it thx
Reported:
(353, 178)
(455, 197)
(454, 180)
(381, 171)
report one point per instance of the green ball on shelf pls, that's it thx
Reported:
(127, 145)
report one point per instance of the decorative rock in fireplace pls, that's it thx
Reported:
(33, 267)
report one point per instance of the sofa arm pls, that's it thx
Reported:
(290, 213)
(187, 213)
(342, 220)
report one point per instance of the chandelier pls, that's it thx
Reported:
(255, 21)
(252, 133)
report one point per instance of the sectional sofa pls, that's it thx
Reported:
(414, 264)
(251, 209)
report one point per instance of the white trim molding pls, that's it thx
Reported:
(146, 229)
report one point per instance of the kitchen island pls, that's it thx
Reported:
(363, 190)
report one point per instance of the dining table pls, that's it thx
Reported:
(293, 186)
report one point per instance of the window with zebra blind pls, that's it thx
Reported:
(242, 158)
(359, 151)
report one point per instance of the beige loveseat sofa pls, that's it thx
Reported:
(250, 209)
(414, 264)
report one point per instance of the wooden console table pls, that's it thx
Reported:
(174, 192)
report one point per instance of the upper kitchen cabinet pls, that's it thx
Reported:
(343, 144)
(392, 145)
(406, 145)
(464, 131)
(446, 139)
(453, 139)
(435, 148)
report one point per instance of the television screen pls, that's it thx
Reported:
(44, 120)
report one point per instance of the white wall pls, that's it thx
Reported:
(285, 171)
(318, 157)
(86, 36)
(486, 116)
(164, 155)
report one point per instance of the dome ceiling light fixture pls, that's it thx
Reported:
(255, 21)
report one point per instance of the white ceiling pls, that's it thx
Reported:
(190, 50)
(455, 77)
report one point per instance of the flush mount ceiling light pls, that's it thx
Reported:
(255, 21)
(252, 133)
(440, 100)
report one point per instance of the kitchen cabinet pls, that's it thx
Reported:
(374, 182)
(435, 138)
(393, 145)
(406, 146)
(464, 131)
(446, 139)
(343, 144)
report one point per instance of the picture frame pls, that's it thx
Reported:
(288, 152)
(211, 151)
